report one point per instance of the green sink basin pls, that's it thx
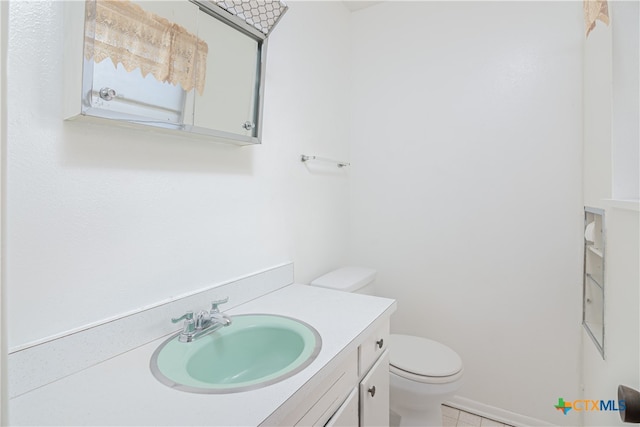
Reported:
(256, 350)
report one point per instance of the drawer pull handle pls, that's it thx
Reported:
(372, 390)
(380, 343)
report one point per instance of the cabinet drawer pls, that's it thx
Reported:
(373, 346)
(347, 413)
(334, 391)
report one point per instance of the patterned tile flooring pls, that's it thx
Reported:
(452, 417)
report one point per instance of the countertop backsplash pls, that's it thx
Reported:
(37, 364)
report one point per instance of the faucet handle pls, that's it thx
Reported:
(216, 303)
(188, 328)
(187, 316)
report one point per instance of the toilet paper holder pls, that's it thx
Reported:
(593, 294)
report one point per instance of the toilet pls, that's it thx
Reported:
(423, 373)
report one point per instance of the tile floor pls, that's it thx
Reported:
(452, 417)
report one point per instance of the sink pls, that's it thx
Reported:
(256, 350)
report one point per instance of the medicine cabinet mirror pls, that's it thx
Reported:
(184, 65)
(593, 280)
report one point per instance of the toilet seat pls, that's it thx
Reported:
(423, 360)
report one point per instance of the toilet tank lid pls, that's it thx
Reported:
(347, 279)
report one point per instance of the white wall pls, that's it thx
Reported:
(611, 107)
(611, 166)
(597, 87)
(625, 16)
(4, 417)
(466, 186)
(103, 220)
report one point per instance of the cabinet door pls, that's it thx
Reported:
(374, 394)
(347, 413)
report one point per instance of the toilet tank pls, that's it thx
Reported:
(348, 279)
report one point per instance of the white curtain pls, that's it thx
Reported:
(136, 38)
(595, 10)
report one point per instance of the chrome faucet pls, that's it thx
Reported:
(205, 322)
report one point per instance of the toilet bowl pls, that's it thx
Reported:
(423, 373)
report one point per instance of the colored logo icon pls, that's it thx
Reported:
(563, 406)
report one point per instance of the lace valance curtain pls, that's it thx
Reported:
(136, 38)
(595, 10)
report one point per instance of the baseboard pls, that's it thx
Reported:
(494, 413)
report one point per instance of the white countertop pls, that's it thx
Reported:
(122, 390)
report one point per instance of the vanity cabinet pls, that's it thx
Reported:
(368, 403)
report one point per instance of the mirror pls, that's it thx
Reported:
(188, 66)
(228, 101)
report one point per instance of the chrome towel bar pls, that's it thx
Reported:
(304, 158)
